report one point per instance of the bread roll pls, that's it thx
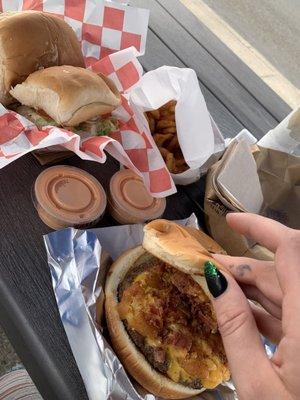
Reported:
(69, 95)
(31, 40)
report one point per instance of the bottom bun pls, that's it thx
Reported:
(132, 359)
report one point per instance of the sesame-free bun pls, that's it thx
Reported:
(30, 40)
(205, 240)
(69, 95)
(178, 246)
(133, 360)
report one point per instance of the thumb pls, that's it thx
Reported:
(242, 342)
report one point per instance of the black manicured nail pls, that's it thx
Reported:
(216, 281)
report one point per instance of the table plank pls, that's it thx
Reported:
(224, 56)
(159, 54)
(28, 309)
(213, 75)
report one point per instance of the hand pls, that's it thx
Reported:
(276, 286)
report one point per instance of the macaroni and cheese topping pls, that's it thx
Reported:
(170, 319)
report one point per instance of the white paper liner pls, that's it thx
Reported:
(199, 137)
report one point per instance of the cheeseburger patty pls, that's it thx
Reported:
(170, 319)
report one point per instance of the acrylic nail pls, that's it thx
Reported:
(216, 281)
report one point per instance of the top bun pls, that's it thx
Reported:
(69, 95)
(173, 244)
(30, 40)
(206, 241)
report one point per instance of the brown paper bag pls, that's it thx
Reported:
(279, 175)
(215, 213)
(278, 165)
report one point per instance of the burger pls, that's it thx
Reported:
(71, 97)
(31, 40)
(159, 315)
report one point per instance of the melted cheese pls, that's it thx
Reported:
(175, 370)
(189, 355)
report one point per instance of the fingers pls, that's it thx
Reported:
(288, 270)
(265, 231)
(267, 325)
(287, 262)
(252, 293)
(261, 274)
(237, 326)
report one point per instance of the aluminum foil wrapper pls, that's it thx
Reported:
(74, 259)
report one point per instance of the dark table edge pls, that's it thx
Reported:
(40, 365)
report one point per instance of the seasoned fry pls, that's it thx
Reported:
(168, 158)
(165, 123)
(163, 128)
(168, 117)
(172, 108)
(180, 169)
(165, 113)
(155, 114)
(170, 161)
(181, 162)
(160, 139)
(172, 129)
(174, 144)
(163, 152)
(180, 165)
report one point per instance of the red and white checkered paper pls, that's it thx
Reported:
(132, 145)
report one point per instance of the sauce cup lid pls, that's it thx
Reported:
(131, 199)
(68, 196)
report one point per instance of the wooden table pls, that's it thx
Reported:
(236, 99)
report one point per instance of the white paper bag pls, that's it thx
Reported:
(198, 135)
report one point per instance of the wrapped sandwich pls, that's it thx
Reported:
(159, 314)
(70, 97)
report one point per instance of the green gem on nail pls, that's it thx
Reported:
(216, 281)
(210, 270)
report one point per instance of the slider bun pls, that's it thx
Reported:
(175, 245)
(132, 359)
(70, 95)
(30, 40)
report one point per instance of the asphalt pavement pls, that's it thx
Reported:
(271, 26)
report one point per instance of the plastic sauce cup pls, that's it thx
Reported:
(129, 200)
(67, 196)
